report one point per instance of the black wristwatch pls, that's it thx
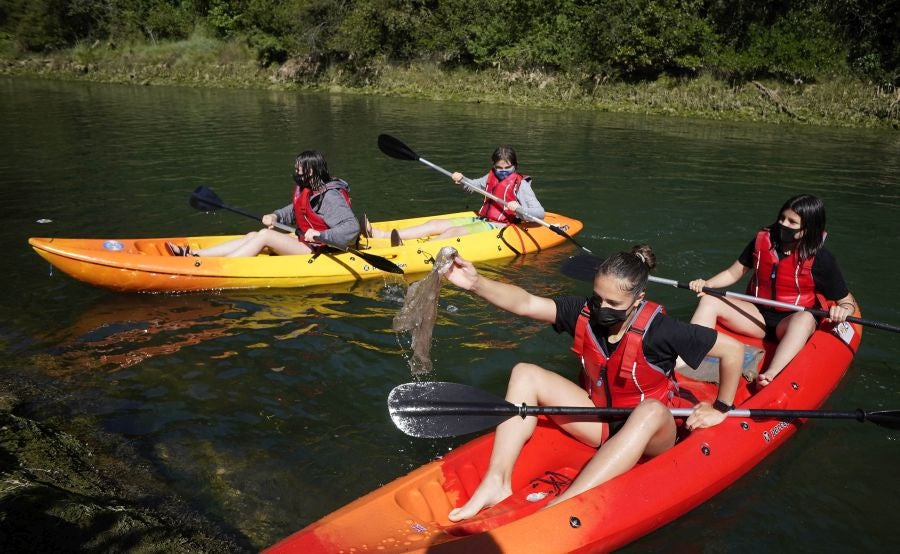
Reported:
(722, 407)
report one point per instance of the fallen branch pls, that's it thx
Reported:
(772, 95)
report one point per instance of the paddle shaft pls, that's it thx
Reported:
(432, 409)
(277, 225)
(775, 304)
(525, 215)
(471, 186)
(506, 408)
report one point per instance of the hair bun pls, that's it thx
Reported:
(645, 254)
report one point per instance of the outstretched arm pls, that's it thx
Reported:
(503, 295)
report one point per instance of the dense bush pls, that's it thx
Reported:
(786, 39)
(797, 46)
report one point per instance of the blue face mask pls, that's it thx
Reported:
(504, 173)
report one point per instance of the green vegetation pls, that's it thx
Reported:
(817, 61)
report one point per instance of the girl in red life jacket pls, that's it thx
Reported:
(789, 264)
(320, 207)
(625, 367)
(503, 181)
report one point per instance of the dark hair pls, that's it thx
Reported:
(313, 160)
(812, 222)
(632, 267)
(506, 153)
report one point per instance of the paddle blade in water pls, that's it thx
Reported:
(204, 199)
(379, 262)
(436, 409)
(395, 148)
(581, 267)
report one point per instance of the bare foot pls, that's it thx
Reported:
(491, 491)
(765, 379)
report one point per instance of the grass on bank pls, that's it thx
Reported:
(204, 61)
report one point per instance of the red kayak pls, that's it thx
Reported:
(410, 513)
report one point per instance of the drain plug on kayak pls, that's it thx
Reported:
(574, 522)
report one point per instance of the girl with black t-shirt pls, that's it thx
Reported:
(790, 264)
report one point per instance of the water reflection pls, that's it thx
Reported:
(117, 332)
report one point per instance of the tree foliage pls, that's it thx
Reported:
(635, 39)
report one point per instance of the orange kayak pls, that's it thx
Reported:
(144, 265)
(410, 513)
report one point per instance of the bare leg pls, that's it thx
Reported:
(430, 227)
(738, 315)
(533, 385)
(253, 243)
(793, 332)
(226, 247)
(454, 232)
(650, 430)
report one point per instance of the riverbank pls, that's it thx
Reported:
(207, 62)
(87, 493)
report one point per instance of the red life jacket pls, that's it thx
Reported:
(632, 378)
(507, 189)
(787, 280)
(306, 217)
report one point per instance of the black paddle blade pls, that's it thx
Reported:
(436, 409)
(205, 200)
(581, 267)
(378, 262)
(396, 149)
(887, 418)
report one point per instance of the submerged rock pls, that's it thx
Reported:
(62, 493)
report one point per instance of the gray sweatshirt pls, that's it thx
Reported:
(332, 207)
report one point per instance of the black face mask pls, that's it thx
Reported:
(786, 234)
(298, 178)
(607, 317)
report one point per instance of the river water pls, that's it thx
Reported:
(266, 409)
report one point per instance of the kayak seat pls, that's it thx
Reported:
(525, 501)
(708, 370)
(151, 248)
